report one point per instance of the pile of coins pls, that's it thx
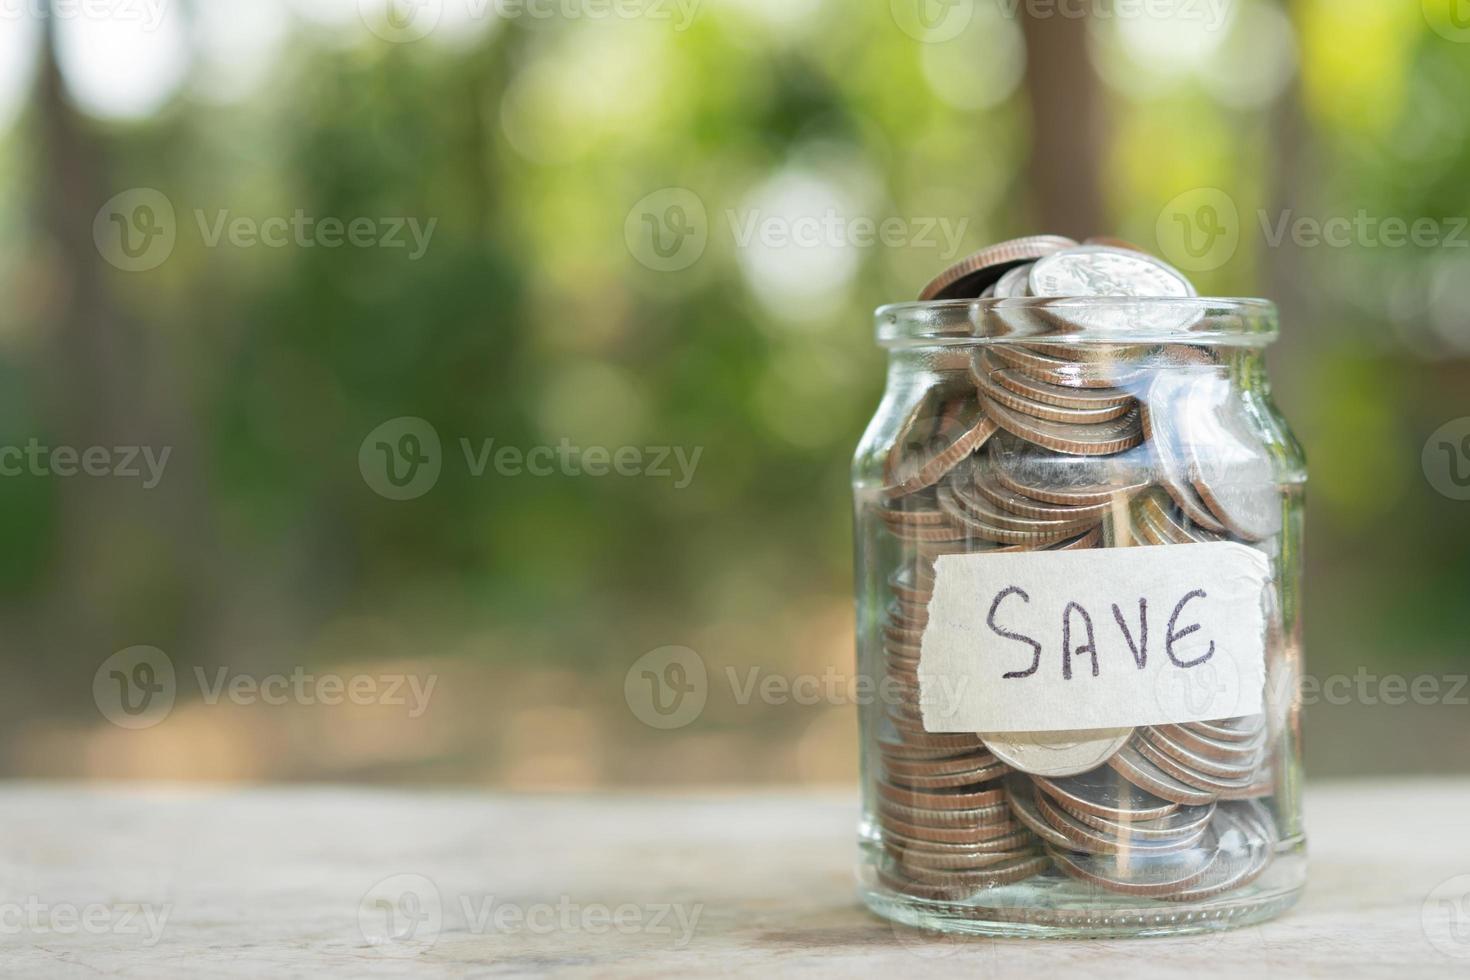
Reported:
(1041, 442)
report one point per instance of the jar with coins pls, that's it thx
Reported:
(1078, 564)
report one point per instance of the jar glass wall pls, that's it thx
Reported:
(1070, 430)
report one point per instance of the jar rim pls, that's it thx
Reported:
(1198, 320)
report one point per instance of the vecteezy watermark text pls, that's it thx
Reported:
(832, 229)
(405, 21)
(565, 459)
(403, 458)
(403, 914)
(148, 13)
(1213, 14)
(34, 918)
(136, 688)
(1201, 229)
(121, 462)
(137, 231)
(669, 687)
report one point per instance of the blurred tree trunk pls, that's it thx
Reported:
(1067, 127)
(130, 564)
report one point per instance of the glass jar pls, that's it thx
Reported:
(1078, 565)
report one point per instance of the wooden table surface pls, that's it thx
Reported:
(163, 882)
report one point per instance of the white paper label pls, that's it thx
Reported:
(1042, 641)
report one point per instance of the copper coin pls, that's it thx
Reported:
(964, 887)
(1035, 390)
(991, 876)
(963, 485)
(994, 532)
(904, 769)
(951, 780)
(925, 817)
(953, 835)
(926, 861)
(904, 750)
(1101, 439)
(1020, 840)
(1156, 521)
(948, 799)
(970, 276)
(1044, 410)
(1059, 371)
(943, 429)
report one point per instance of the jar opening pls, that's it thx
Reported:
(1079, 320)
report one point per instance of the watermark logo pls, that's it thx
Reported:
(401, 21)
(670, 687)
(35, 918)
(135, 688)
(932, 21)
(833, 230)
(142, 463)
(1446, 459)
(402, 915)
(405, 21)
(148, 14)
(136, 230)
(401, 459)
(1199, 230)
(1450, 19)
(1214, 15)
(1445, 916)
(667, 688)
(668, 230)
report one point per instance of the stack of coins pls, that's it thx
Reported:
(1040, 441)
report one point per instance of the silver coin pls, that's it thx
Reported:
(1098, 270)
(1150, 778)
(1056, 753)
(1160, 407)
(1231, 465)
(1184, 820)
(1207, 765)
(1015, 284)
(1243, 852)
(1059, 478)
(1144, 874)
(1101, 271)
(1091, 840)
(1103, 793)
